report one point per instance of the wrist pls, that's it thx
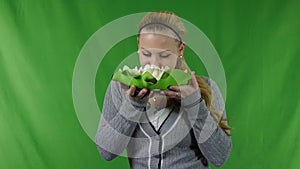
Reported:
(191, 99)
(137, 103)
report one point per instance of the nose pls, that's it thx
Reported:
(155, 61)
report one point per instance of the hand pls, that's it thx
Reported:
(181, 92)
(134, 92)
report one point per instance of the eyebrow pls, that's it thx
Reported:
(158, 52)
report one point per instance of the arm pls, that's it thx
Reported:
(118, 121)
(212, 140)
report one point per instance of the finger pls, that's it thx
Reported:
(169, 93)
(175, 88)
(146, 94)
(131, 90)
(151, 92)
(142, 93)
(194, 81)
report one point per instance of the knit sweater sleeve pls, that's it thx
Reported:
(118, 121)
(214, 144)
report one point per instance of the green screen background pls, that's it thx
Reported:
(257, 41)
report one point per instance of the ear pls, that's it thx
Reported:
(181, 48)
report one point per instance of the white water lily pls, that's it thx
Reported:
(156, 71)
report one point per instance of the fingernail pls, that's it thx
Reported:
(140, 94)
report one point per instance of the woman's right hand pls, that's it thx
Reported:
(134, 92)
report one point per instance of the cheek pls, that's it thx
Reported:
(171, 63)
(143, 60)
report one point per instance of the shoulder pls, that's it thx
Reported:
(210, 82)
(113, 85)
(114, 89)
(206, 79)
(216, 92)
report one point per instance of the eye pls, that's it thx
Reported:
(165, 55)
(146, 54)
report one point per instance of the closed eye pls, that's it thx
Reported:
(146, 54)
(165, 56)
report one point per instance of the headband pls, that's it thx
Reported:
(165, 25)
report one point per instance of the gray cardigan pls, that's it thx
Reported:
(188, 138)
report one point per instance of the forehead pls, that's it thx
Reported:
(150, 40)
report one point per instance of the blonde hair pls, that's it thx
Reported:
(168, 24)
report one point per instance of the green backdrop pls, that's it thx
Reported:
(258, 43)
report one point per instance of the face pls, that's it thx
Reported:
(158, 50)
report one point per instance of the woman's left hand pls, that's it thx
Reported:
(181, 92)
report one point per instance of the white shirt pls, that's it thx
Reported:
(156, 118)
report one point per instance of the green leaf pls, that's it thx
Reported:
(173, 77)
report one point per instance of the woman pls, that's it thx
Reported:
(183, 127)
